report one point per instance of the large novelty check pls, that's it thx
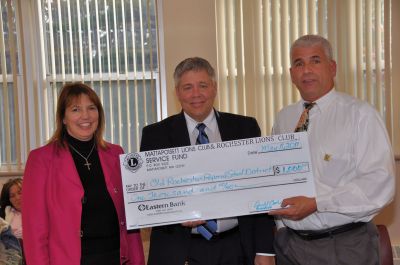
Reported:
(215, 180)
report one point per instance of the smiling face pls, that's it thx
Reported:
(196, 92)
(16, 196)
(81, 118)
(312, 72)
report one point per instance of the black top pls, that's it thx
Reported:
(2, 213)
(99, 221)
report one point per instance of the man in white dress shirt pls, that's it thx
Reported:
(352, 162)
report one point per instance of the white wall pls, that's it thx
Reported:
(189, 30)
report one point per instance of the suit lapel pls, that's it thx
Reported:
(67, 163)
(178, 133)
(226, 131)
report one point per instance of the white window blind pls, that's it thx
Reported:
(9, 102)
(254, 39)
(109, 44)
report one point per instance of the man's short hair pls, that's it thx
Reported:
(193, 64)
(311, 40)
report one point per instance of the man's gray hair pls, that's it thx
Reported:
(312, 40)
(193, 64)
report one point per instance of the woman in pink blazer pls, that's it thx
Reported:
(73, 204)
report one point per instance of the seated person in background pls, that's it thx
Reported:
(10, 203)
(10, 250)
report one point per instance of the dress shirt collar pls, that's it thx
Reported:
(211, 130)
(210, 122)
(323, 102)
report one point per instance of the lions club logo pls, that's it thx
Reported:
(133, 162)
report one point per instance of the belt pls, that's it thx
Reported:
(318, 234)
(217, 236)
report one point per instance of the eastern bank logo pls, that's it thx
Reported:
(163, 206)
(133, 162)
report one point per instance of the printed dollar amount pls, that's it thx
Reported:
(301, 167)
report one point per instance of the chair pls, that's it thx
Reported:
(385, 247)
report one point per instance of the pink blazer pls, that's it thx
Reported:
(52, 207)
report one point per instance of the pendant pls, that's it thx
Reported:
(87, 164)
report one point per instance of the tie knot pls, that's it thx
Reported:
(201, 127)
(309, 105)
(302, 124)
(202, 138)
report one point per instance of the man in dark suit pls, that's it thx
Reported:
(245, 240)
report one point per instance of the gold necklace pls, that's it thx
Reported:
(86, 158)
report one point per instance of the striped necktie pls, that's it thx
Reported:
(208, 229)
(302, 124)
(202, 138)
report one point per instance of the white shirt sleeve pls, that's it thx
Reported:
(372, 186)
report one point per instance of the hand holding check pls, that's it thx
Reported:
(296, 208)
(264, 260)
(193, 223)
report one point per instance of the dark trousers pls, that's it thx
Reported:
(106, 258)
(226, 250)
(359, 246)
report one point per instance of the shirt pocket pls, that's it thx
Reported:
(336, 168)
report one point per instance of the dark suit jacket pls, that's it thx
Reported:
(169, 245)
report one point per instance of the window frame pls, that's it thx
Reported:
(32, 82)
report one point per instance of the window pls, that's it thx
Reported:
(254, 39)
(109, 44)
(9, 71)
